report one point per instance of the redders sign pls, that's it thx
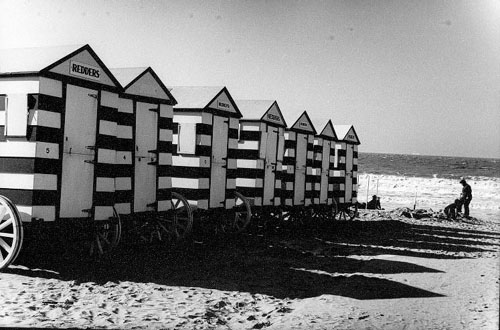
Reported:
(84, 70)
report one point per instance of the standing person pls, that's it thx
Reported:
(465, 197)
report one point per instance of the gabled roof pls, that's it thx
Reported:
(263, 110)
(328, 131)
(346, 133)
(145, 79)
(58, 61)
(204, 98)
(304, 124)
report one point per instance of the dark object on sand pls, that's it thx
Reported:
(452, 209)
(465, 197)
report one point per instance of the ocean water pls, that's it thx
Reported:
(428, 166)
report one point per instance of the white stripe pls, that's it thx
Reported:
(165, 134)
(2, 118)
(206, 118)
(233, 144)
(125, 105)
(341, 199)
(251, 183)
(103, 212)
(248, 163)
(164, 182)
(231, 163)
(201, 183)
(164, 158)
(290, 153)
(234, 123)
(355, 161)
(204, 140)
(342, 160)
(175, 139)
(14, 85)
(124, 157)
(123, 208)
(355, 148)
(278, 184)
(250, 127)
(124, 132)
(342, 187)
(50, 87)
(231, 183)
(105, 184)
(106, 156)
(308, 186)
(166, 111)
(186, 161)
(230, 203)
(107, 127)
(123, 183)
(289, 185)
(164, 205)
(44, 118)
(47, 213)
(310, 155)
(188, 119)
(288, 202)
(339, 173)
(248, 145)
(109, 99)
(47, 150)
(201, 204)
(28, 181)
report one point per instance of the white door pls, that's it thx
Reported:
(348, 172)
(300, 170)
(77, 180)
(219, 161)
(270, 165)
(146, 130)
(325, 165)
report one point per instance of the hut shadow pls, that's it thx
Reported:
(247, 263)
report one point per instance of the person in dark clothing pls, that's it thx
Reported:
(374, 204)
(465, 197)
(451, 210)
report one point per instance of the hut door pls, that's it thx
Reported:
(348, 172)
(77, 179)
(300, 170)
(325, 165)
(145, 161)
(270, 165)
(219, 161)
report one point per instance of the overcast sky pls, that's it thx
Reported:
(411, 76)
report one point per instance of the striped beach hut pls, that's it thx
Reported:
(58, 109)
(260, 152)
(346, 174)
(205, 144)
(298, 163)
(324, 166)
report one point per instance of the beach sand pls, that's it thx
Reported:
(381, 271)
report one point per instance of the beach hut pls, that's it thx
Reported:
(297, 166)
(323, 169)
(205, 145)
(347, 158)
(144, 155)
(260, 155)
(57, 142)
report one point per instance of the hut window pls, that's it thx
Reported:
(16, 115)
(3, 100)
(187, 138)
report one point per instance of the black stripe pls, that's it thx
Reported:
(184, 172)
(250, 135)
(289, 144)
(230, 193)
(204, 129)
(44, 134)
(251, 173)
(341, 152)
(103, 170)
(31, 197)
(165, 122)
(124, 145)
(102, 198)
(164, 146)
(175, 128)
(125, 119)
(355, 154)
(147, 99)
(288, 160)
(193, 194)
(164, 194)
(45, 102)
(232, 133)
(107, 113)
(124, 196)
(106, 142)
(30, 165)
(2, 133)
(203, 151)
(244, 154)
(80, 82)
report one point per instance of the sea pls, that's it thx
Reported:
(428, 166)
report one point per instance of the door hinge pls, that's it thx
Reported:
(90, 161)
(93, 95)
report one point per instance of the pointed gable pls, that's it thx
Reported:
(328, 131)
(83, 63)
(263, 110)
(210, 99)
(142, 82)
(347, 133)
(304, 124)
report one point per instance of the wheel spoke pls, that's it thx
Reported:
(104, 238)
(5, 246)
(5, 224)
(3, 211)
(7, 235)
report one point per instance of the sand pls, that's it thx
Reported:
(382, 271)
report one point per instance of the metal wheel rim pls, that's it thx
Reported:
(242, 214)
(11, 232)
(182, 216)
(106, 235)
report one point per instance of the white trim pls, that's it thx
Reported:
(44, 118)
(106, 156)
(50, 87)
(124, 157)
(107, 127)
(180, 160)
(166, 111)
(247, 163)
(123, 183)
(105, 184)
(124, 132)
(189, 183)
(28, 181)
(166, 135)
(28, 85)
(164, 182)
(47, 213)
(231, 184)
(164, 158)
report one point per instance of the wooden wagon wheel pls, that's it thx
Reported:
(106, 235)
(238, 218)
(182, 215)
(11, 232)
(348, 212)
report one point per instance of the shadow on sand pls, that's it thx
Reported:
(284, 265)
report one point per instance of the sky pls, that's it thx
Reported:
(413, 77)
